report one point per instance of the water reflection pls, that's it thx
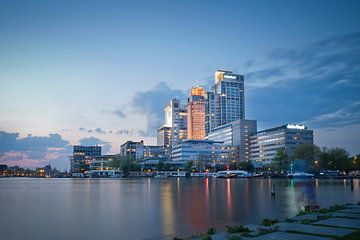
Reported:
(153, 209)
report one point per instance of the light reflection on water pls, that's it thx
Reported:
(153, 208)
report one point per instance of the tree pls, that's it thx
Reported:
(305, 157)
(160, 165)
(246, 165)
(355, 162)
(335, 159)
(281, 161)
(188, 166)
(115, 162)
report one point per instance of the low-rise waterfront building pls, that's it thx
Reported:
(139, 151)
(236, 133)
(82, 156)
(204, 150)
(264, 144)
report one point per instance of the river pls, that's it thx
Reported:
(152, 208)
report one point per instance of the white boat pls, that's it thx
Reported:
(233, 174)
(300, 175)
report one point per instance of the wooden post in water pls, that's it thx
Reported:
(352, 184)
(273, 190)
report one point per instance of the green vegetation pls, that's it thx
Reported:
(281, 162)
(302, 212)
(316, 158)
(206, 237)
(307, 221)
(247, 166)
(210, 231)
(234, 237)
(269, 221)
(237, 229)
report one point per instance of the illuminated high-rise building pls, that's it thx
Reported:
(196, 114)
(175, 127)
(226, 102)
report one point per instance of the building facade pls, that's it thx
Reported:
(205, 151)
(164, 139)
(139, 151)
(196, 114)
(176, 119)
(236, 133)
(226, 103)
(82, 156)
(103, 162)
(264, 144)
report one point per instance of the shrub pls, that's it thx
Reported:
(237, 229)
(235, 237)
(207, 237)
(210, 231)
(269, 221)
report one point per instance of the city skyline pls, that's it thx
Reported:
(73, 75)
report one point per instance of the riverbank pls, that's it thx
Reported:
(336, 222)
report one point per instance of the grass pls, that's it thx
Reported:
(302, 212)
(237, 229)
(269, 221)
(307, 221)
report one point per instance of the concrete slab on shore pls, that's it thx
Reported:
(345, 215)
(311, 229)
(350, 210)
(352, 206)
(340, 222)
(286, 236)
(310, 216)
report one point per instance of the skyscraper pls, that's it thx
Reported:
(175, 121)
(196, 113)
(226, 102)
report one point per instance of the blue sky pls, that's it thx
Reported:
(101, 71)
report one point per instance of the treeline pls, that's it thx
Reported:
(312, 158)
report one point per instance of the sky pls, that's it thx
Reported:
(101, 72)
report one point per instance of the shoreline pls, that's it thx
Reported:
(334, 222)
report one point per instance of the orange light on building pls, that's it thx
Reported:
(196, 113)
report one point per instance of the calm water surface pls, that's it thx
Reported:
(152, 208)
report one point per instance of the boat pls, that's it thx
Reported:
(300, 175)
(233, 174)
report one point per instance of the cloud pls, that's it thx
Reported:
(151, 103)
(32, 151)
(315, 84)
(99, 130)
(82, 129)
(123, 132)
(119, 113)
(344, 136)
(93, 141)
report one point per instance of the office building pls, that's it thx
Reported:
(264, 144)
(196, 114)
(178, 121)
(103, 162)
(164, 139)
(226, 102)
(236, 133)
(205, 151)
(82, 156)
(139, 151)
